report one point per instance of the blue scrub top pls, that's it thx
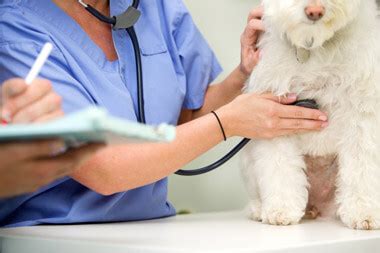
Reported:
(178, 67)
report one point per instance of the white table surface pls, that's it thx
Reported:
(213, 232)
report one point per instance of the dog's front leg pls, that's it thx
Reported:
(358, 182)
(282, 182)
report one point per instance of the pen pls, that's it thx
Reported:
(39, 63)
(33, 73)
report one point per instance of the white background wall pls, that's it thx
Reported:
(221, 22)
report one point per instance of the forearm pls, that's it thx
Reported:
(120, 168)
(222, 93)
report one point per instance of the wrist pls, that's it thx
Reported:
(244, 73)
(226, 119)
(220, 125)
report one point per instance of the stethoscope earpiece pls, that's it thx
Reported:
(82, 3)
(97, 14)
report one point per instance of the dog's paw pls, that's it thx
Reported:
(360, 218)
(360, 221)
(284, 216)
(254, 210)
(364, 222)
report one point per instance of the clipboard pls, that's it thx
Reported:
(91, 125)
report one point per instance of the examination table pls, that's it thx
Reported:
(211, 232)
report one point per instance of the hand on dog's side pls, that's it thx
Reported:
(267, 116)
(250, 54)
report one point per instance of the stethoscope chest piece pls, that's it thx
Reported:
(128, 19)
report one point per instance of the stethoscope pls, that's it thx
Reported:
(126, 21)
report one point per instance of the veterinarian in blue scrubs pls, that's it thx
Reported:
(92, 65)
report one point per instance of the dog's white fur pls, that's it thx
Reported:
(342, 76)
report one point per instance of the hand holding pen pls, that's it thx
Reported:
(26, 166)
(31, 99)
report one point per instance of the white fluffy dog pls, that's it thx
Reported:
(329, 51)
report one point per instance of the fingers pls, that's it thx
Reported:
(48, 104)
(288, 99)
(297, 112)
(286, 127)
(302, 124)
(274, 127)
(73, 159)
(256, 13)
(254, 27)
(15, 152)
(252, 32)
(51, 116)
(80, 155)
(33, 93)
(250, 54)
(13, 87)
(294, 112)
(29, 175)
(257, 56)
(289, 132)
(45, 171)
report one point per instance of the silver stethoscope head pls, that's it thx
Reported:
(83, 3)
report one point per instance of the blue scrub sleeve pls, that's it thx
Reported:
(199, 62)
(16, 60)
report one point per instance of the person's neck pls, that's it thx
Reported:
(99, 32)
(101, 5)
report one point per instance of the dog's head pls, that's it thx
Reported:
(309, 24)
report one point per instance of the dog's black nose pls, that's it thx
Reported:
(314, 13)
